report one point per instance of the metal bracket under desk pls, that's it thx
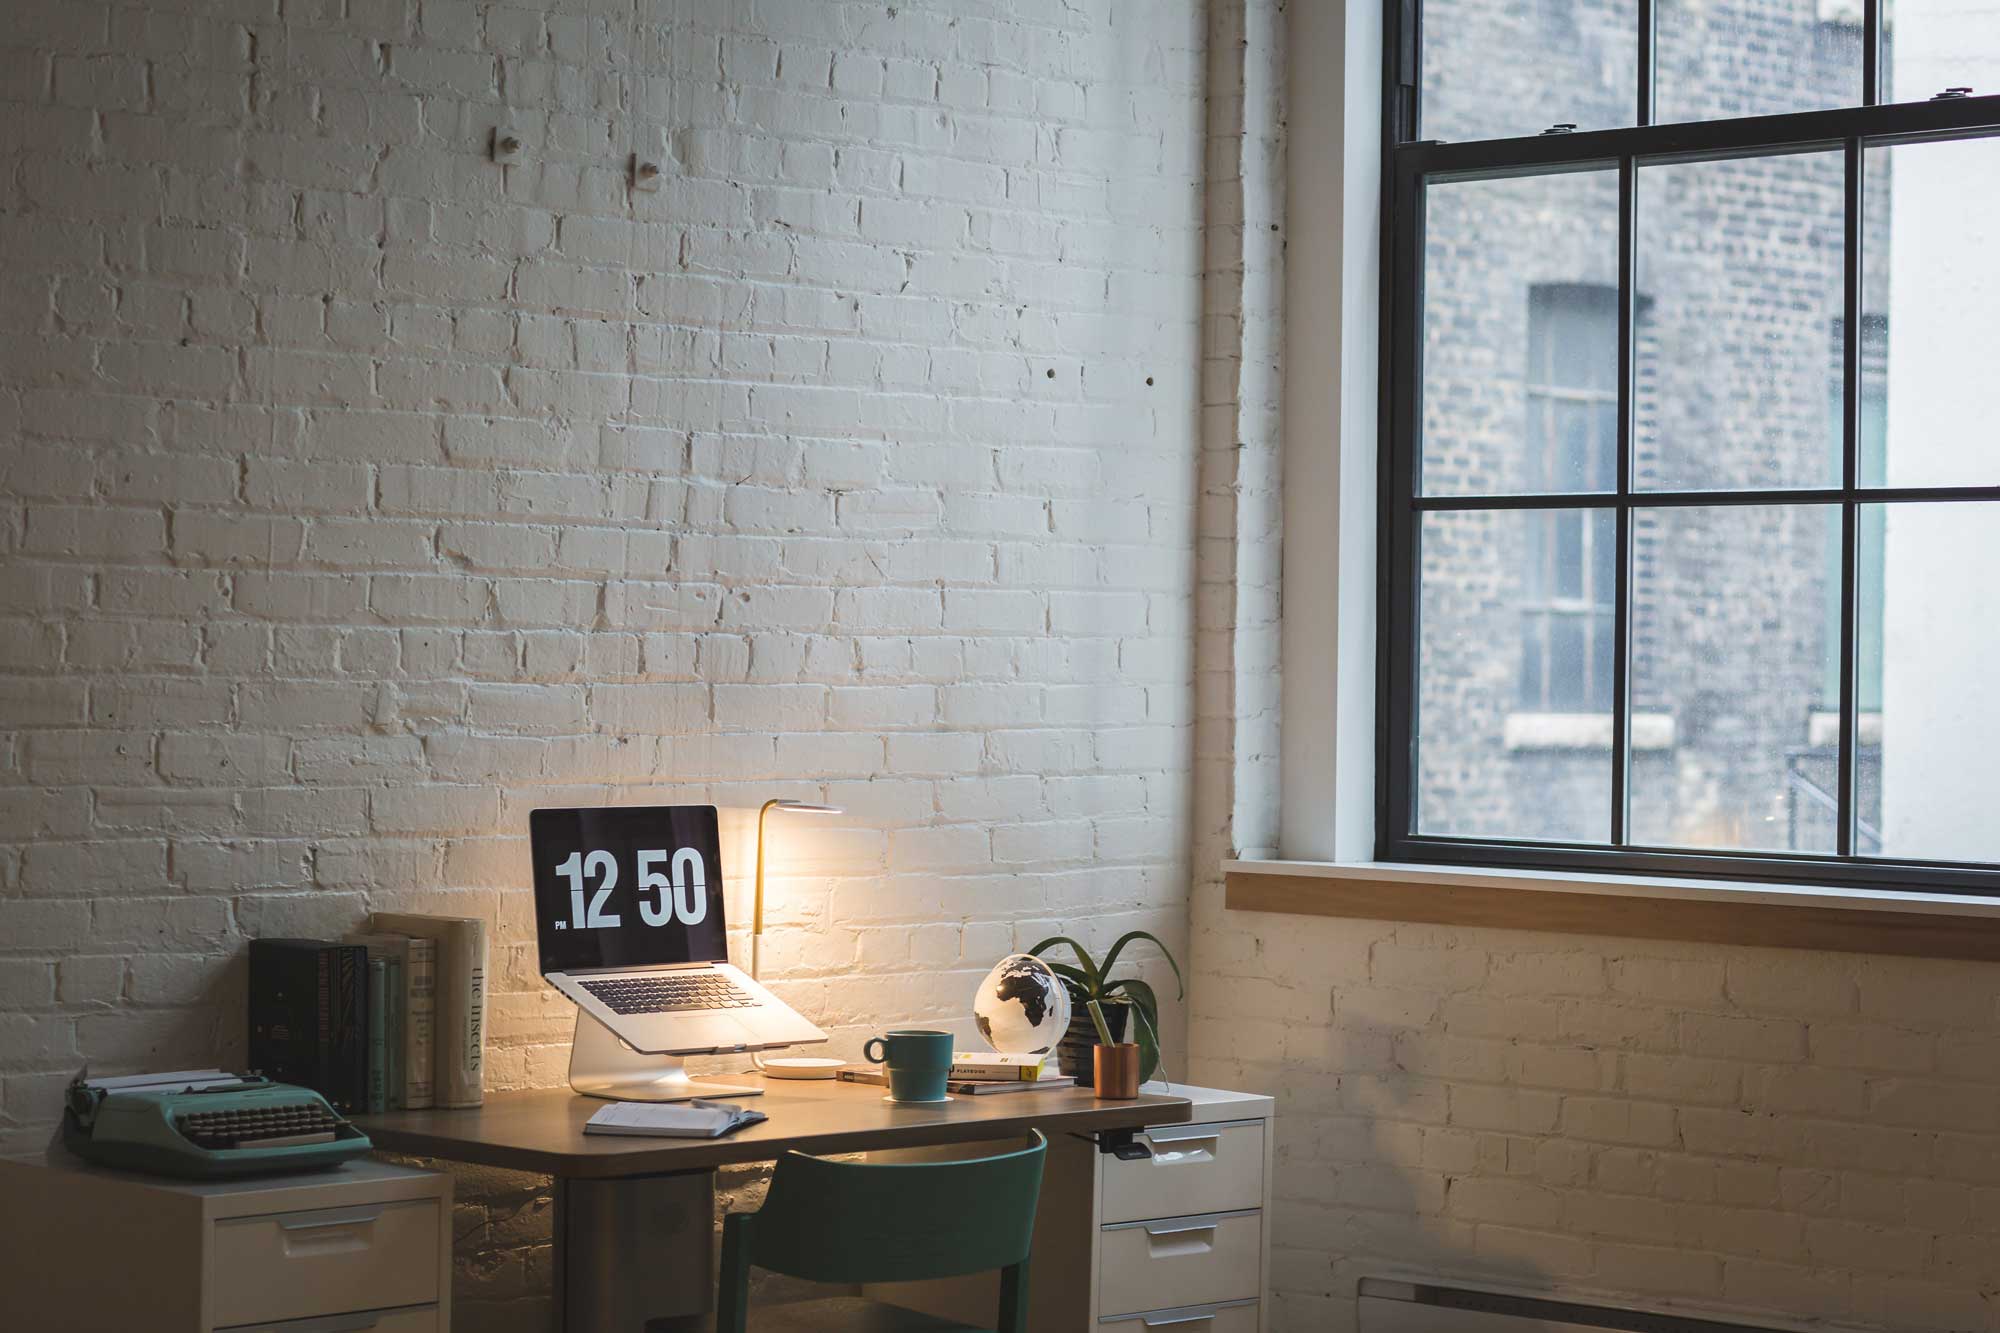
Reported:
(634, 1254)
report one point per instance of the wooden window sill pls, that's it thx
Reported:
(1922, 925)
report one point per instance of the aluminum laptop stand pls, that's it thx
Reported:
(602, 1065)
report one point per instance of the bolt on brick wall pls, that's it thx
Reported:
(359, 494)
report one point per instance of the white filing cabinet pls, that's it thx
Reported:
(1182, 1239)
(1176, 1240)
(360, 1248)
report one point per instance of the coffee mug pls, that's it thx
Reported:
(918, 1062)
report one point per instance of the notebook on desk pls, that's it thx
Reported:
(669, 1120)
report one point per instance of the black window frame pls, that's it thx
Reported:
(1408, 165)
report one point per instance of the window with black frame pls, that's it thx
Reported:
(1691, 499)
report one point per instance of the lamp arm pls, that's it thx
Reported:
(757, 908)
(757, 914)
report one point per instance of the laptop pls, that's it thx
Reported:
(629, 918)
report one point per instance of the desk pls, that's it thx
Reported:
(634, 1217)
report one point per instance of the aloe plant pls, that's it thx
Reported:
(1091, 981)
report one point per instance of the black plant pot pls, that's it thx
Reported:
(1074, 1051)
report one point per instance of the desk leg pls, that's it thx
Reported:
(635, 1255)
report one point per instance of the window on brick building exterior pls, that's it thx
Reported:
(1669, 589)
(1572, 398)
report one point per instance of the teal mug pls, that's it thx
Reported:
(918, 1062)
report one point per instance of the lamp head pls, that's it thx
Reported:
(807, 808)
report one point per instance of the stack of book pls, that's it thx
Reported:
(386, 1020)
(978, 1073)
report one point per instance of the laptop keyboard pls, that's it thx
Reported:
(667, 993)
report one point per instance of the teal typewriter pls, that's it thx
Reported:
(205, 1125)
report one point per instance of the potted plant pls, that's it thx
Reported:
(1127, 1000)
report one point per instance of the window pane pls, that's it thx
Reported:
(1931, 45)
(1933, 263)
(1755, 57)
(1740, 291)
(1493, 70)
(1730, 624)
(1513, 732)
(1937, 739)
(1520, 376)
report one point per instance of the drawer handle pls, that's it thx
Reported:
(321, 1219)
(1182, 1229)
(1205, 1317)
(1186, 1152)
(1176, 1133)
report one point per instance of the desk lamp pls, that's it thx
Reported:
(803, 1066)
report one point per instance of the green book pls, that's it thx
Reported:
(378, 1036)
(412, 1001)
(392, 1028)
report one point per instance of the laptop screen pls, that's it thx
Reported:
(628, 886)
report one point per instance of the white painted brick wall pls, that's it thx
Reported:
(359, 495)
(1774, 1132)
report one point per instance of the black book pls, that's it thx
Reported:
(309, 1017)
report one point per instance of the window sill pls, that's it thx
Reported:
(1924, 925)
(1583, 731)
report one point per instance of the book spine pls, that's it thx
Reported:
(420, 1020)
(465, 1077)
(378, 1036)
(395, 1003)
(461, 1031)
(322, 1079)
(283, 1046)
(985, 1073)
(348, 1040)
(987, 1087)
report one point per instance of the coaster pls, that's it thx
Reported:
(803, 1066)
(928, 1101)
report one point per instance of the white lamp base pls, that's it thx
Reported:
(801, 1066)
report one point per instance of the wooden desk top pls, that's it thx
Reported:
(543, 1131)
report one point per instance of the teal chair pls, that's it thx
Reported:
(855, 1222)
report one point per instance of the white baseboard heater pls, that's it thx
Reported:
(1389, 1306)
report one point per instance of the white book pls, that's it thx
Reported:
(672, 1120)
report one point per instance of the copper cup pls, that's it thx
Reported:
(1117, 1070)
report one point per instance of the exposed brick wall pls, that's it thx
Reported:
(359, 495)
(1785, 1134)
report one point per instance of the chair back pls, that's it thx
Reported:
(853, 1222)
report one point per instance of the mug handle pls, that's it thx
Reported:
(868, 1050)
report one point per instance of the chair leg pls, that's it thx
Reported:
(1013, 1299)
(732, 1301)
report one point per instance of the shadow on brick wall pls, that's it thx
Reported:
(1374, 1178)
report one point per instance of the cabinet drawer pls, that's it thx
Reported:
(1194, 1169)
(1179, 1261)
(325, 1261)
(1236, 1317)
(422, 1319)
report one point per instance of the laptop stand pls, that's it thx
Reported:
(602, 1065)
